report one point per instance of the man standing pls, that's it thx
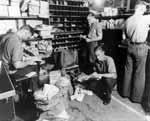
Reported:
(136, 31)
(94, 36)
(11, 48)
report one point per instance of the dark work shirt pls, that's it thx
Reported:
(105, 66)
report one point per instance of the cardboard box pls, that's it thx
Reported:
(6, 25)
(44, 9)
(15, 2)
(14, 11)
(34, 8)
(4, 2)
(44, 30)
(3, 10)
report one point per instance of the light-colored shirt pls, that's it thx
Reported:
(94, 33)
(136, 28)
(11, 49)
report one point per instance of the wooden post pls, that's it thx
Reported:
(132, 4)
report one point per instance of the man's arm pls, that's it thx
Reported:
(111, 70)
(22, 64)
(17, 58)
(106, 75)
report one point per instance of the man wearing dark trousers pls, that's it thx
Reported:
(136, 31)
(103, 79)
(94, 36)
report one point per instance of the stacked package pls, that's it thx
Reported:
(44, 9)
(34, 8)
(4, 7)
(14, 8)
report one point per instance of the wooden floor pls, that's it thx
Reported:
(119, 109)
(92, 109)
(134, 108)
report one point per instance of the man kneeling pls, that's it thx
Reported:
(104, 75)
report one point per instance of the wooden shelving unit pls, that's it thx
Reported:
(115, 17)
(24, 18)
(69, 17)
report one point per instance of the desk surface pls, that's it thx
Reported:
(21, 73)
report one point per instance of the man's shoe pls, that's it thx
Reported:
(106, 98)
(106, 102)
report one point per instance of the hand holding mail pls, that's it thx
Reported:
(96, 75)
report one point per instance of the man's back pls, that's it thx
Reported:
(136, 28)
(10, 49)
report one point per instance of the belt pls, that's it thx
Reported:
(137, 43)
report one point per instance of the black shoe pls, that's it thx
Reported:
(106, 102)
(106, 98)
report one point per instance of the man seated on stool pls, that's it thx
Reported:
(103, 79)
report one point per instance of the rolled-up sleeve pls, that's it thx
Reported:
(99, 30)
(111, 65)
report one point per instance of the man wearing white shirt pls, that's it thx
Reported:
(136, 31)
